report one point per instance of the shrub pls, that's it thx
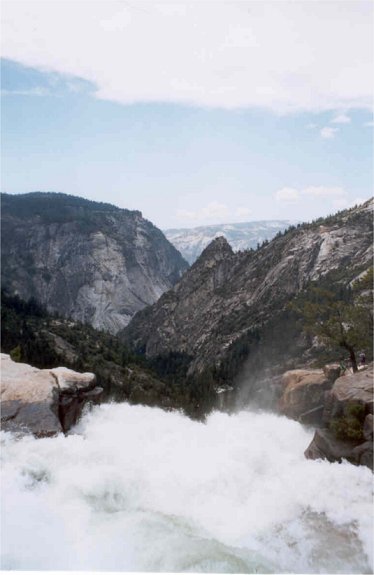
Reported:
(16, 353)
(350, 425)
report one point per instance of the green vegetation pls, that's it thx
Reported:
(53, 207)
(197, 392)
(16, 353)
(31, 335)
(238, 352)
(330, 220)
(350, 425)
(171, 366)
(56, 208)
(341, 317)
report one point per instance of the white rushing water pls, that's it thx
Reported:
(138, 489)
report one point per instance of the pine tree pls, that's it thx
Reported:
(340, 320)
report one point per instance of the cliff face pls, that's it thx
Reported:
(225, 295)
(89, 261)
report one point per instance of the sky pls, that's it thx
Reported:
(196, 113)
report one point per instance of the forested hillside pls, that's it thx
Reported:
(233, 309)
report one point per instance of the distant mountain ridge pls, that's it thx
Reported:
(87, 260)
(241, 236)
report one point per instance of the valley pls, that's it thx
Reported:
(218, 383)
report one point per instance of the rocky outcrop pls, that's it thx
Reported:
(355, 388)
(43, 401)
(89, 261)
(303, 396)
(181, 321)
(326, 446)
(226, 296)
(348, 421)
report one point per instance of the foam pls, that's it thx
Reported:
(139, 489)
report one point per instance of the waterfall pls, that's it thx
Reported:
(139, 489)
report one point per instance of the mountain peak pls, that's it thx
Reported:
(228, 297)
(241, 236)
(219, 248)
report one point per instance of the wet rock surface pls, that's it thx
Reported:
(44, 402)
(348, 421)
(325, 446)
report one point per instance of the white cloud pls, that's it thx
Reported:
(275, 55)
(341, 119)
(186, 215)
(369, 124)
(213, 211)
(242, 212)
(323, 192)
(328, 133)
(287, 195)
(311, 126)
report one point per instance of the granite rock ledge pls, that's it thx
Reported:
(43, 402)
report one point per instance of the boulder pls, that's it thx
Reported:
(332, 371)
(303, 394)
(355, 388)
(43, 401)
(348, 421)
(325, 445)
(363, 454)
(368, 427)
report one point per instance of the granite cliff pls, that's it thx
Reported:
(90, 261)
(228, 302)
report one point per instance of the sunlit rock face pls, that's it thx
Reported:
(224, 294)
(303, 394)
(44, 402)
(89, 261)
